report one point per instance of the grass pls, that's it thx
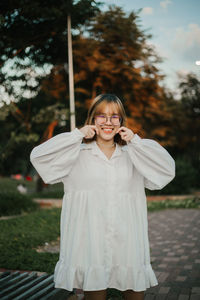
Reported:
(13, 203)
(20, 236)
(186, 203)
(10, 184)
(49, 191)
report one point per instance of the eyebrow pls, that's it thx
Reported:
(105, 113)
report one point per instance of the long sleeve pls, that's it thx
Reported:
(152, 161)
(54, 158)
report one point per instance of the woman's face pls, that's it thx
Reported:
(107, 130)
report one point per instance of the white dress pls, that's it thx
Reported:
(104, 230)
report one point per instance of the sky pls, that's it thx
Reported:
(175, 29)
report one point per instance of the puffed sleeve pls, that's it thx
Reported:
(54, 158)
(152, 161)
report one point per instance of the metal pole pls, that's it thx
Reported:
(71, 75)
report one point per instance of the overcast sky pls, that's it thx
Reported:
(175, 26)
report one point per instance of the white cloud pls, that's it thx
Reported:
(164, 4)
(147, 10)
(187, 42)
(162, 51)
(182, 72)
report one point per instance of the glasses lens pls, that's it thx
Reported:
(115, 120)
(101, 119)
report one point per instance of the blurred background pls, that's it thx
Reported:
(145, 52)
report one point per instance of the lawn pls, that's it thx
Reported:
(20, 236)
(49, 191)
(186, 203)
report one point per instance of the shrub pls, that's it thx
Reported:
(49, 191)
(184, 181)
(10, 184)
(186, 203)
(12, 203)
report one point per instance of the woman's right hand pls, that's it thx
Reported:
(89, 131)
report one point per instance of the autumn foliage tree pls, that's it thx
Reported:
(113, 56)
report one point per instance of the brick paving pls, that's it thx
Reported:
(175, 254)
(174, 236)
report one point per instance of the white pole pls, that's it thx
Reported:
(71, 75)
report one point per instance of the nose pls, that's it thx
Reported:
(108, 121)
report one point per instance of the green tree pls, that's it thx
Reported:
(190, 101)
(23, 126)
(33, 39)
(34, 34)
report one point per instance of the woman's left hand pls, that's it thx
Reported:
(125, 133)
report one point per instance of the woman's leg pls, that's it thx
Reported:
(132, 295)
(95, 295)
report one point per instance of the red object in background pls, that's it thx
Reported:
(17, 176)
(28, 178)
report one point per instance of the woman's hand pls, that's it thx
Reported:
(125, 133)
(89, 131)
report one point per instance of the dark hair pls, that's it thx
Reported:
(94, 108)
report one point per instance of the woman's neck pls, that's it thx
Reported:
(106, 144)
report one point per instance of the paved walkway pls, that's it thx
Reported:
(175, 254)
(174, 236)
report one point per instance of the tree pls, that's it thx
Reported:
(33, 39)
(111, 55)
(115, 57)
(185, 130)
(23, 126)
(34, 34)
(190, 100)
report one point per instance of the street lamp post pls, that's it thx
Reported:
(71, 75)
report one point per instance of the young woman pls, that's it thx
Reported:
(105, 169)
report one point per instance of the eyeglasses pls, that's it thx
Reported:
(102, 119)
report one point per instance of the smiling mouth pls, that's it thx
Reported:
(107, 130)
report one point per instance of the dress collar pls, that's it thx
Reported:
(97, 151)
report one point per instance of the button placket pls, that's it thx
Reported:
(110, 214)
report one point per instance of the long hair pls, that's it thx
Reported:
(96, 107)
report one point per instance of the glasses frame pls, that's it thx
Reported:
(110, 117)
